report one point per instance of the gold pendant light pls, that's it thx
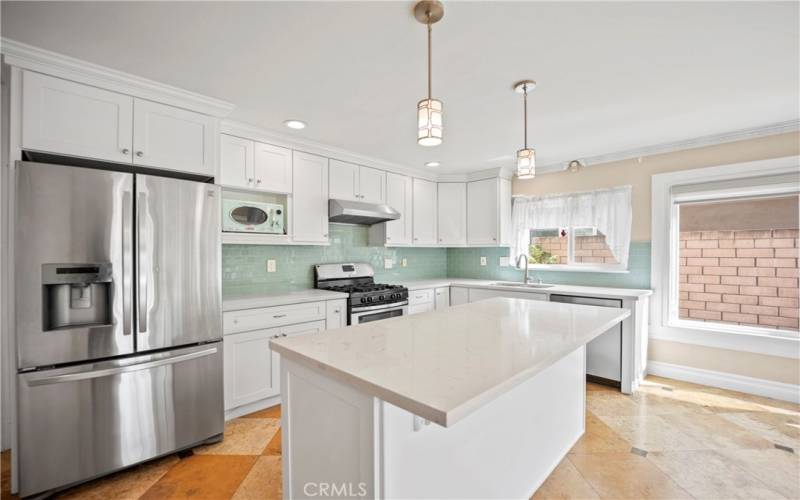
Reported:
(526, 157)
(429, 111)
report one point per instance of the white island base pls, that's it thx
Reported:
(341, 442)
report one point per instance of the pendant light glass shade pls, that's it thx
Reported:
(526, 157)
(526, 163)
(429, 111)
(429, 122)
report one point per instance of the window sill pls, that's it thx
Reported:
(577, 268)
(720, 336)
(710, 326)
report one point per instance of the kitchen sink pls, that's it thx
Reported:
(522, 285)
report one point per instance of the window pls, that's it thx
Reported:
(725, 257)
(575, 231)
(738, 261)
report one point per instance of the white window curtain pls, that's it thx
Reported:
(609, 210)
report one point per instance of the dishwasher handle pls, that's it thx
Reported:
(586, 301)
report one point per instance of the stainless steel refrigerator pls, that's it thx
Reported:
(118, 320)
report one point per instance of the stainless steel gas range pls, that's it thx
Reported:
(368, 301)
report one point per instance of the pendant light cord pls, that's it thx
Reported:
(525, 105)
(430, 31)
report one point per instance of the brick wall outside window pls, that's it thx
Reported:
(588, 249)
(740, 277)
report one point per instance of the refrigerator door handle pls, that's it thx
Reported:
(143, 265)
(90, 373)
(127, 261)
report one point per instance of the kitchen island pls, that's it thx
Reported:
(480, 400)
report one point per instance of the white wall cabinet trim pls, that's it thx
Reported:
(74, 119)
(272, 168)
(173, 138)
(452, 213)
(309, 199)
(424, 212)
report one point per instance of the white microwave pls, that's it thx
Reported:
(252, 217)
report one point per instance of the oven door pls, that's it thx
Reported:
(375, 313)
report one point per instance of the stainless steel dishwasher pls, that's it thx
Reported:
(604, 353)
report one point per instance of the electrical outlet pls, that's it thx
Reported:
(271, 266)
(404, 262)
(504, 262)
(387, 263)
(483, 260)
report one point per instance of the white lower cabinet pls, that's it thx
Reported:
(248, 367)
(251, 369)
(420, 301)
(441, 297)
(459, 296)
(336, 314)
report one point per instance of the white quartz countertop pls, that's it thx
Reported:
(445, 364)
(260, 299)
(585, 291)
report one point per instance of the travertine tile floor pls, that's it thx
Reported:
(670, 440)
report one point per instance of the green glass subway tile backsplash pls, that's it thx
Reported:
(465, 263)
(244, 267)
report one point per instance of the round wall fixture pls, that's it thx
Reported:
(432, 164)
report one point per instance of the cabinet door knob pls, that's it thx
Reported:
(284, 335)
(258, 181)
(325, 235)
(249, 180)
(336, 311)
(125, 151)
(140, 153)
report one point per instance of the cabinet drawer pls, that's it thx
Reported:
(268, 317)
(420, 296)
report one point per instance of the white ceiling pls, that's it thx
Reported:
(612, 76)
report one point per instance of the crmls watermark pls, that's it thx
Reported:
(335, 489)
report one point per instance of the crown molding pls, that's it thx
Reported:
(247, 131)
(671, 147)
(32, 58)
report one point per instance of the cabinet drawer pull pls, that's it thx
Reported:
(125, 151)
(258, 181)
(284, 335)
(140, 153)
(279, 316)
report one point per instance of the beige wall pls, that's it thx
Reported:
(761, 366)
(638, 173)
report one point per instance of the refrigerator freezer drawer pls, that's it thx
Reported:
(88, 420)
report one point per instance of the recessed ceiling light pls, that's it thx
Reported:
(432, 164)
(295, 124)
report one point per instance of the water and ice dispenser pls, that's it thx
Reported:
(76, 295)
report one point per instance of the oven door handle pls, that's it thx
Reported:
(393, 305)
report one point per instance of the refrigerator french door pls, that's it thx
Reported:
(118, 320)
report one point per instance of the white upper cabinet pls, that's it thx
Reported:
(236, 161)
(272, 168)
(399, 195)
(344, 181)
(452, 213)
(489, 212)
(424, 212)
(349, 181)
(64, 117)
(309, 213)
(173, 138)
(372, 185)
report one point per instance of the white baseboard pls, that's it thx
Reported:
(749, 385)
(252, 407)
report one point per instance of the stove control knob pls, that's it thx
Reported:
(363, 299)
(380, 297)
(369, 299)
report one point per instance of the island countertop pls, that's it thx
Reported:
(443, 365)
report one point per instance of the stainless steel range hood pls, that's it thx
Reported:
(359, 212)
